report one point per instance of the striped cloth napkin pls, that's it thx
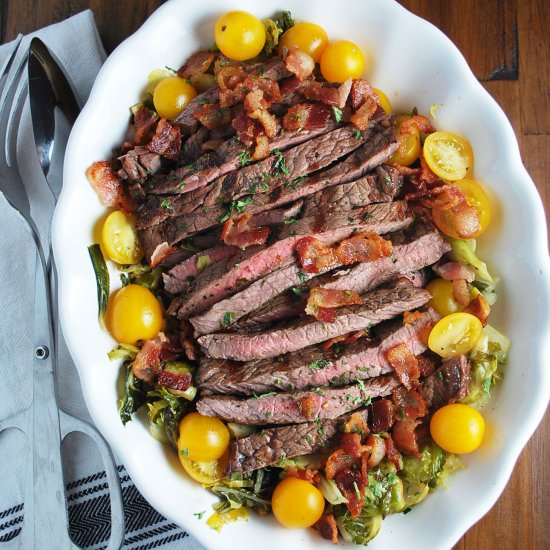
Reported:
(76, 44)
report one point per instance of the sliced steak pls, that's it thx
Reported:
(379, 305)
(312, 366)
(266, 447)
(180, 276)
(448, 384)
(296, 408)
(418, 247)
(174, 229)
(224, 279)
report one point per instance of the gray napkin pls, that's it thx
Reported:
(76, 44)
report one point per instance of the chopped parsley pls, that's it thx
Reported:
(487, 386)
(260, 396)
(367, 216)
(319, 363)
(302, 276)
(203, 101)
(236, 206)
(227, 319)
(170, 69)
(280, 167)
(199, 515)
(388, 180)
(357, 492)
(357, 134)
(294, 183)
(337, 113)
(291, 221)
(367, 401)
(184, 452)
(338, 348)
(297, 291)
(165, 203)
(245, 158)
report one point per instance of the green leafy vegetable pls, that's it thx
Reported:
(319, 363)
(142, 274)
(101, 279)
(165, 412)
(358, 530)
(127, 352)
(134, 395)
(464, 252)
(330, 491)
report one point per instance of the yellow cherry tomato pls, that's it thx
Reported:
(297, 503)
(384, 101)
(309, 37)
(204, 438)
(449, 156)
(455, 334)
(120, 239)
(342, 60)
(442, 297)
(239, 35)
(457, 428)
(410, 146)
(171, 95)
(134, 314)
(207, 473)
(476, 196)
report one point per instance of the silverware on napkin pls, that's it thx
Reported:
(53, 110)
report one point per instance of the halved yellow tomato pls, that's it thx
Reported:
(384, 101)
(442, 300)
(448, 155)
(120, 239)
(409, 143)
(309, 37)
(208, 472)
(455, 334)
(476, 196)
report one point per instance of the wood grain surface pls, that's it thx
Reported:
(506, 43)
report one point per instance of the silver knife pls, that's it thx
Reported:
(53, 110)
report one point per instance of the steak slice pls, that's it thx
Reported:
(225, 278)
(270, 445)
(296, 408)
(414, 249)
(448, 383)
(312, 366)
(378, 305)
(174, 229)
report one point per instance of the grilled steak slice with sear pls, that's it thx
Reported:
(312, 366)
(448, 383)
(378, 305)
(296, 408)
(226, 277)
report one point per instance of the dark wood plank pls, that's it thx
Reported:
(485, 32)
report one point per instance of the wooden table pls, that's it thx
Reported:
(506, 44)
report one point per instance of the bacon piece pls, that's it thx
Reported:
(109, 187)
(378, 451)
(427, 362)
(345, 339)
(461, 292)
(363, 247)
(198, 63)
(462, 219)
(229, 76)
(327, 528)
(350, 443)
(321, 299)
(405, 437)
(405, 365)
(314, 255)
(247, 129)
(306, 116)
(308, 406)
(326, 93)
(307, 474)
(361, 118)
(267, 120)
(337, 462)
(417, 123)
(426, 174)
(360, 91)
(146, 365)
(352, 483)
(144, 120)
(443, 197)
(237, 232)
(299, 63)
(381, 413)
(187, 342)
(175, 381)
(409, 405)
(170, 350)
(212, 116)
(479, 307)
(451, 271)
(161, 252)
(356, 424)
(262, 150)
(394, 456)
(166, 141)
